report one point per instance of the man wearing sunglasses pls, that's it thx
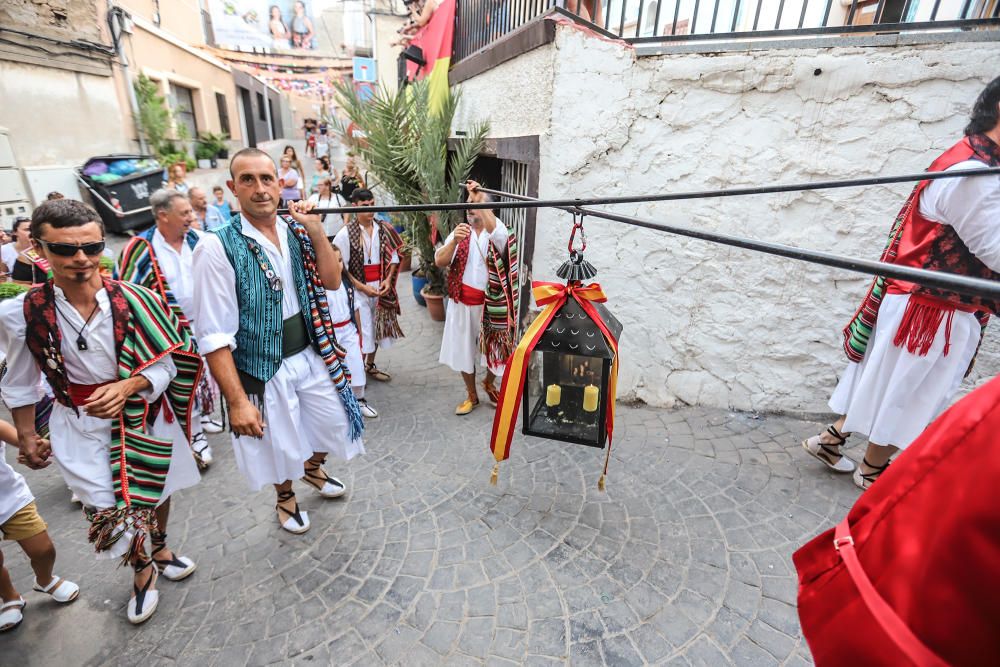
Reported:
(263, 323)
(122, 370)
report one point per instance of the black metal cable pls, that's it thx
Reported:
(667, 196)
(948, 281)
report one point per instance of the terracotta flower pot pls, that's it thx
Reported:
(435, 305)
(405, 262)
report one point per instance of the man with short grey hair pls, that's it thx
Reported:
(160, 259)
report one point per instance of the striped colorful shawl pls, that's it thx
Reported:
(137, 264)
(500, 311)
(145, 331)
(322, 334)
(387, 308)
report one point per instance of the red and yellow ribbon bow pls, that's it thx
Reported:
(552, 296)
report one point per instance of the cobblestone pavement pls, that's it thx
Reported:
(685, 560)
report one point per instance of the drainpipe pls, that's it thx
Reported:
(117, 20)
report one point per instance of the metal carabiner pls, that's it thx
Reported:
(577, 224)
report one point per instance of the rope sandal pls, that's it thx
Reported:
(296, 522)
(316, 477)
(863, 480)
(174, 568)
(829, 454)
(492, 393)
(376, 374)
(145, 600)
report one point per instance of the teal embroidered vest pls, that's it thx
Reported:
(258, 341)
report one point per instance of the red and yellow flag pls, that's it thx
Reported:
(435, 40)
(551, 296)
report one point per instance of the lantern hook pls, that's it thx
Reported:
(577, 269)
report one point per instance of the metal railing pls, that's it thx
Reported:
(479, 23)
(482, 22)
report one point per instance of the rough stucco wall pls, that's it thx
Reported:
(66, 19)
(515, 96)
(712, 325)
(53, 105)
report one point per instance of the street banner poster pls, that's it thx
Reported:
(275, 25)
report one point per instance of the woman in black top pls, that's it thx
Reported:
(23, 269)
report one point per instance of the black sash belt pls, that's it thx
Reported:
(294, 337)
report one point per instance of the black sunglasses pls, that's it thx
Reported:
(70, 249)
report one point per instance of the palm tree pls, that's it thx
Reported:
(406, 147)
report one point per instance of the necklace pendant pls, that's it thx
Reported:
(81, 343)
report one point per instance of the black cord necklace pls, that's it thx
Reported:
(81, 342)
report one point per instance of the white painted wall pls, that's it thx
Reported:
(707, 324)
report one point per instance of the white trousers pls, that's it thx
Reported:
(81, 447)
(347, 337)
(460, 341)
(367, 304)
(302, 414)
(892, 395)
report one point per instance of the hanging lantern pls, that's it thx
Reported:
(565, 367)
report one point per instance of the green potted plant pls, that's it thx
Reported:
(405, 145)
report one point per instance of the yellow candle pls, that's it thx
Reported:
(590, 398)
(553, 395)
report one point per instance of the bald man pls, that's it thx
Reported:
(209, 217)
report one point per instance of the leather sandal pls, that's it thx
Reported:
(61, 590)
(11, 614)
(829, 454)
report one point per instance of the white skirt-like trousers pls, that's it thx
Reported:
(367, 304)
(893, 394)
(303, 414)
(81, 447)
(460, 341)
(347, 337)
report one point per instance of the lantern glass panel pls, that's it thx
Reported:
(565, 397)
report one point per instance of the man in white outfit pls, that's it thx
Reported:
(263, 324)
(910, 346)
(472, 251)
(119, 363)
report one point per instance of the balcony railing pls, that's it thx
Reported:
(482, 22)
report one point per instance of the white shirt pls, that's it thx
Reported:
(215, 310)
(971, 206)
(340, 305)
(176, 268)
(8, 255)
(95, 365)
(476, 274)
(373, 250)
(332, 222)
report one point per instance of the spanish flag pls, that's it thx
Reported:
(435, 40)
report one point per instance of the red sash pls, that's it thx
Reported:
(80, 393)
(471, 296)
(373, 273)
(337, 325)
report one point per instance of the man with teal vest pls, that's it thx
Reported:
(263, 325)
